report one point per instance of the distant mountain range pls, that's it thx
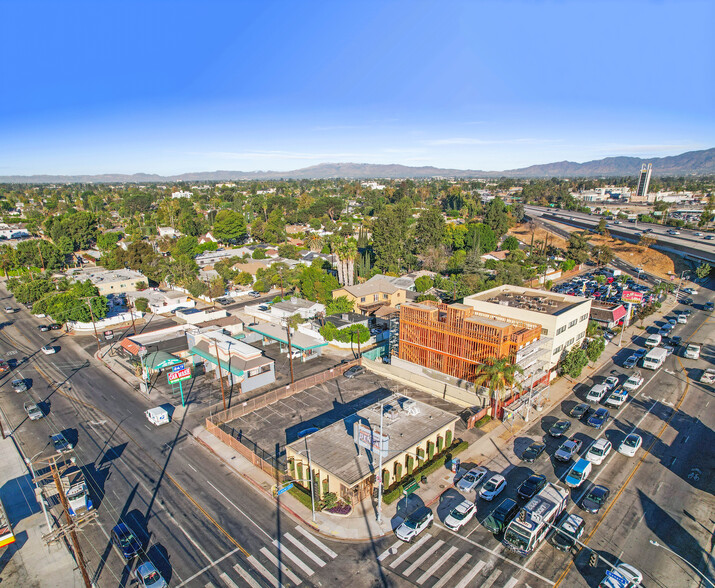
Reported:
(685, 164)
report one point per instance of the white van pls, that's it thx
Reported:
(653, 341)
(158, 416)
(596, 393)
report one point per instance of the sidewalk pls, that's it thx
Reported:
(29, 561)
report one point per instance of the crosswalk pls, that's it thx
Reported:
(444, 565)
(285, 563)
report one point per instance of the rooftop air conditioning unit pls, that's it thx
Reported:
(410, 407)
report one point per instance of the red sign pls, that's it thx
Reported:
(184, 374)
(632, 296)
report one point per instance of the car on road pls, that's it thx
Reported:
(60, 443)
(598, 451)
(672, 320)
(414, 524)
(33, 411)
(709, 306)
(675, 340)
(629, 576)
(640, 352)
(501, 516)
(708, 376)
(691, 291)
(630, 362)
(559, 428)
(567, 532)
(469, 481)
(19, 385)
(254, 294)
(654, 340)
(568, 450)
(43, 328)
(634, 382)
(673, 232)
(630, 445)
(595, 498)
(4, 367)
(126, 541)
(147, 576)
(533, 452)
(580, 410)
(611, 382)
(493, 487)
(668, 349)
(9, 309)
(692, 351)
(529, 487)
(616, 398)
(688, 301)
(354, 371)
(596, 393)
(578, 473)
(598, 418)
(460, 515)
(49, 349)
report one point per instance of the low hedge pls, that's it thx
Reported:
(439, 460)
(482, 421)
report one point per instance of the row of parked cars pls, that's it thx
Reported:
(610, 291)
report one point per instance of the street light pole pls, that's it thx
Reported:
(379, 470)
(697, 571)
(312, 480)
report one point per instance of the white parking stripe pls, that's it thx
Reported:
(263, 571)
(423, 557)
(246, 577)
(453, 570)
(470, 574)
(511, 583)
(321, 545)
(304, 549)
(290, 555)
(388, 551)
(210, 585)
(491, 579)
(280, 565)
(436, 565)
(410, 551)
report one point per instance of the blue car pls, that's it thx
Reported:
(597, 419)
(640, 352)
(126, 541)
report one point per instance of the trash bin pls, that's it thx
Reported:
(455, 466)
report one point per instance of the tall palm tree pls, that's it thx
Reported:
(340, 252)
(497, 375)
(351, 252)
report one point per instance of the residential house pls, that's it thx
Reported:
(371, 295)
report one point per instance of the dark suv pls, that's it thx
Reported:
(501, 516)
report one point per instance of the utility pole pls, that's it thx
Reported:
(131, 314)
(79, 558)
(220, 374)
(290, 353)
(379, 469)
(94, 325)
(312, 480)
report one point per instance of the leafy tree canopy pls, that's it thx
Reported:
(229, 226)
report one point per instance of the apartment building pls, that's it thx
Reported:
(371, 295)
(563, 319)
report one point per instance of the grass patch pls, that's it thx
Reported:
(302, 495)
(482, 421)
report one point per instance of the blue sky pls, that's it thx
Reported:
(170, 87)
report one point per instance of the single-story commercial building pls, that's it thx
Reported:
(609, 315)
(307, 309)
(109, 281)
(310, 345)
(415, 432)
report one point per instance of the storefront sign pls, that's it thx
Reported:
(367, 438)
(175, 377)
(178, 368)
(632, 297)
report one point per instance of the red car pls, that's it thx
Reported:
(4, 367)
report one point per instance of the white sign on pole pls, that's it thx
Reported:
(365, 437)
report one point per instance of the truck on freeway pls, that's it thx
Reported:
(529, 528)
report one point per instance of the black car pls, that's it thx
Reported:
(580, 410)
(559, 428)
(501, 516)
(43, 328)
(598, 418)
(354, 371)
(55, 327)
(126, 541)
(709, 306)
(533, 452)
(688, 301)
(531, 486)
(595, 499)
(570, 529)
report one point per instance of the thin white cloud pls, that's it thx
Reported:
(473, 141)
(281, 155)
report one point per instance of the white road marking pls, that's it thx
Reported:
(290, 555)
(511, 583)
(418, 562)
(470, 575)
(239, 510)
(196, 545)
(410, 551)
(263, 571)
(226, 580)
(304, 549)
(192, 467)
(280, 565)
(208, 567)
(453, 570)
(246, 576)
(388, 551)
(436, 565)
(491, 579)
(321, 545)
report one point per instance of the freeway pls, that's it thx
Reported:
(686, 243)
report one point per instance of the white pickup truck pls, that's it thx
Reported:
(708, 376)
(634, 382)
(617, 398)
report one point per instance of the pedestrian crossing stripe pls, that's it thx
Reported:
(283, 570)
(291, 556)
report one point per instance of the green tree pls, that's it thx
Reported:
(288, 251)
(259, 253)
(573, 362)
(315, 284)
(185, 246)
(579, 250)
(217, 287)
(481, 238)
(517, 211)
(141, 304)
(430, 229)
(594, 348)
(497, 375)
(423, 283)
(339, 305)
(496, 217)
(511, 243)
(108, 241)
(602, 254)
(601, 228)
(703, 270)
(229, 226)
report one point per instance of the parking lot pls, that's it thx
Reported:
(603, 285)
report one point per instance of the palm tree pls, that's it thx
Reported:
(340, 252)
(313, 242)
(351, 252)
(497, 375)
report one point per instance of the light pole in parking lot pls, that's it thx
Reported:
(680, 283)
(697, 571)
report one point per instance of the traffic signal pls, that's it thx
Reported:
(593, 559)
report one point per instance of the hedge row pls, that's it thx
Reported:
(396, 492)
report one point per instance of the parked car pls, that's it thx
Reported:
(709, 306)
(596, 393)
(43, 328)
(4, 367)
(598, 451)
(634, 382)
(264, 307)
(254, 294)
(529, 487)
(460, 515)
(9, 309)
(598, 418)
(60, 443)
(611, 382)
(568, 449)
(493, 487)
(501, 516)
(533, 452)
(49, 349)
(472, 479)
(126, 541)
(595, 498)
(19, 385)
(147, 576)
(630, 445)
(580, 410)
(55, 327)
(354, 371)
(414, 524)
(567, 532)
(559, 428)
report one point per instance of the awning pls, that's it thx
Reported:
(276, 332)
(158, 360)
(619, 313)
(130, 346)
(212, 359)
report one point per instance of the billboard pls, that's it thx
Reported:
(365, 437)
(632, 296)
(175, 377)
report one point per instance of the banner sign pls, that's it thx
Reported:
(632, 296)
(175, 377)
(365, 437)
